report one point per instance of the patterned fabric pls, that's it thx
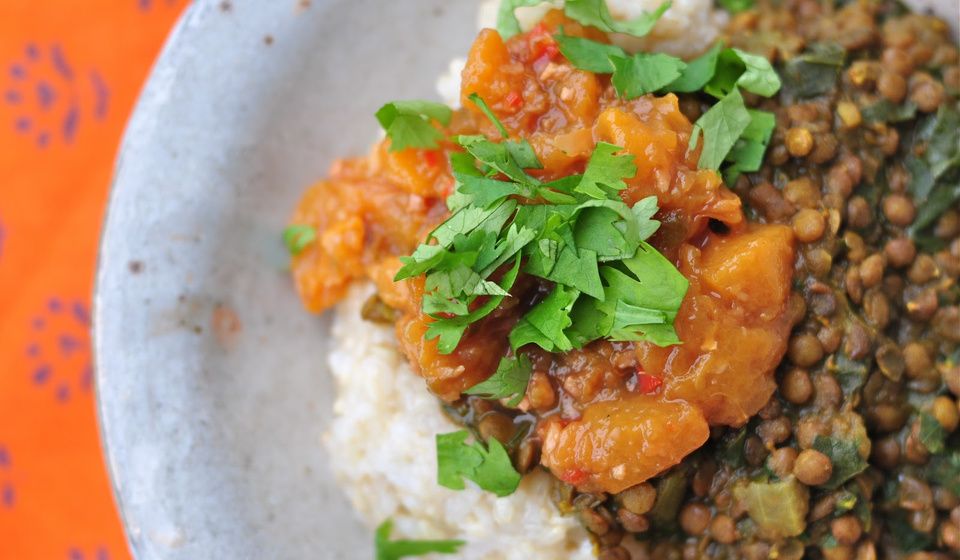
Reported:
(69, 74)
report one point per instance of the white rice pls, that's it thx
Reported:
(382, 439)
(383, 454)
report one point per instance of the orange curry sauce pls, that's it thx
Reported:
(614, 413)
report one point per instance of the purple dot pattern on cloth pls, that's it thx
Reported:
(50, 97)
(100, 553)
(145, 5)
(59, 349)
(7, 492)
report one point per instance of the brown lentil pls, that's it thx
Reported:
(694, 518)
(781, 461)
(859, 214)
(846, 529)
(799, 142)
(808, 225)
(805, 350)
(900, 252)
(723, 529)
(945, 411)
(899, 209)
(638, 499)
(871, 270)
(892, 86)
(812, 467)
(796, 386)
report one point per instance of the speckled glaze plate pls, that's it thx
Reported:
(212, 380)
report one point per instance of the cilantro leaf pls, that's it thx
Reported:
(544, 324)
(424, 258)
(450, 330)
(489, 466)
(644, 73)
(387, 549)
(408, 124)
(747, 154)
(698, 72)
(479, 102)
(759, 77)
(932, 435)
(595, 13)
(605, 169)
(509, 381)
(721, 125)
(736, 6)
(497, 156)
(640, 303)
(298, 237)
(507, 23)
(845, 457)
(654, 285)
(588, 55)
(735, 67)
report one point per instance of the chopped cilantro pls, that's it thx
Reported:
(698, 72)
(606, 171)
(507, 24)
(747, 154)
(932, 435)
(595, 13)
(759, 77)
(562, 231)
(544, 325)
(846, 460)
(387, 549)
(509, 381)
(736, 6)
(409, 124)
(644, 73)
(479, 102)
(751, 72)
(487, 465)
(721, 126)
(298, 237)
(588, 55)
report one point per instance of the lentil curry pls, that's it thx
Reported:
(808, 404)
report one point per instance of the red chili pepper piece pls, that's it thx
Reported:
(514, 100)
(647, 383)
(574, 476)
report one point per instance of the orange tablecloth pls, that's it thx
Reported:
(70, 72)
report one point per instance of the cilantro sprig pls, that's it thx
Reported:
(387, 549)
(508, 382)
(487, 465)
(575, 232)
(409, 124)
(298, 237)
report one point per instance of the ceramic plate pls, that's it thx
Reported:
(211, 378)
